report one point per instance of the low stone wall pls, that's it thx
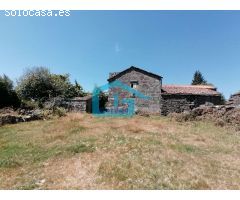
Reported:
(172, 104)
(181, 103)
(21, 116)
(222, 115)
(78, 104)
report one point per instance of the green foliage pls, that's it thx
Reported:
(9, 163)
(74, 90)
(35, 84)
(29, 104)
(103, 99)
(40, 84)
(198, 79)
(81, 148)
(8, 96)
(223, 99)
(60, 112)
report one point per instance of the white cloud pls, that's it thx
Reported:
(117, 48)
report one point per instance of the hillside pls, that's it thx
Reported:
(82, 152)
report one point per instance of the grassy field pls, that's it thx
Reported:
(82, 152)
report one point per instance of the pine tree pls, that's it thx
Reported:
(198, 79)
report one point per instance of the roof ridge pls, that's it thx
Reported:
(134, 68)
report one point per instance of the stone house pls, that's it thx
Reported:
(145, 82)
(163, 99)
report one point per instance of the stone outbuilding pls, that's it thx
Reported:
(180, 98)
(80, 104)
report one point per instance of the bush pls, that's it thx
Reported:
(40, 84)
(9, 97)
(60, 112)
(220, 122)
(182, 117)
(29, 104)
(142, 113)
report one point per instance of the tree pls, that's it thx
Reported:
(102, 97)
(40, 84)
(198, 79)
(8, 96)
(75, 90)
(35, 84)
(223, 99)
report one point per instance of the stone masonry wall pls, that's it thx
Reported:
(181, 103)
(234, 100)
(147, 85)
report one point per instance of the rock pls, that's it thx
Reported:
(40, 182)
(234, 100)
(221, 115)
(10, 119)
(22, 116)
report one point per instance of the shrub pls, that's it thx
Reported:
(182, 117)
(29, 104)
(142, 113)
(59, 111)
(220, 122)
(40, 84)
(8, 95)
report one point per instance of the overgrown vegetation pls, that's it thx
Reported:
(103, 98)
(82, 152)
(40, 84)
(8, 97)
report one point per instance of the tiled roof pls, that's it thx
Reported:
(190, 90)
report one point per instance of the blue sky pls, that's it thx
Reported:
(90, 44)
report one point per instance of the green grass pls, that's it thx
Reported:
(81, 148)
(186, 148)
(83, 152)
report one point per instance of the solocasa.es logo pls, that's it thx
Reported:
(126, 111)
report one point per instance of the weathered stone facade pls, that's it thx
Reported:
(181, 103)
(144, 82)
(79, 104)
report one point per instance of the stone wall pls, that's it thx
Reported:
(147, 85)
(76, 106)
(234, 100)
(222, 115)
(79, 105)
(181, 103)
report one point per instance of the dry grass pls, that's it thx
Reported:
(80, 151)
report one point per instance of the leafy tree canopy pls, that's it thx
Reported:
(8, 96)
(40, 84)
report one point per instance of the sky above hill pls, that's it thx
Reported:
(90, 44)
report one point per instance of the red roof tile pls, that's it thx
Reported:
(190, 90)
